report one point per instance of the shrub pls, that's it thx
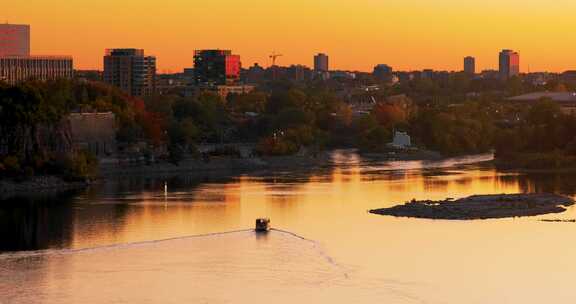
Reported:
(12, 164)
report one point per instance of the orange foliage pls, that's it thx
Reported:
(389, 115)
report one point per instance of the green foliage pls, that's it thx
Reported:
(544, 138)
(376, 139)
(466, 128)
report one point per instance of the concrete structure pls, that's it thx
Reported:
(216, 67)
(14, 40)
(470, 65)
(321, 63)
(16, 64)
(509, 64)
(17, 69)
(131, 71)
(401, 140)
(94, 132)
(567, 100)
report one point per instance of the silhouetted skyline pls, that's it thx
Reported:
(356, 34)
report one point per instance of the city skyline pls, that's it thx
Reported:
(355, 35)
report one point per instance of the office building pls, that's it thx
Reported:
(16, 64)
(469, 65)
(14, 40)
(131, 71)
(216, 67)
(321, 63)
(509, 64)
(14, 69)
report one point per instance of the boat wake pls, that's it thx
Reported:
(54, 252)
(62, 252)
(319, 248)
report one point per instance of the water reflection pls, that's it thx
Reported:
(110, 234)
(33, 223)
(137, 209)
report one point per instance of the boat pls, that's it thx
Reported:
(262, 225)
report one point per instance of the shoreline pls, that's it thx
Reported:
(218, 165)
(215, 165)
(38, 185)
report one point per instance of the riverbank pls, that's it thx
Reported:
(481, 207)
(216, 164)
(324, 159)
(112, 168)
(38, 185)
(404, 155)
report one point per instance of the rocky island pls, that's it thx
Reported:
(481, 207)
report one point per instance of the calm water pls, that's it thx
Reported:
(130, 242)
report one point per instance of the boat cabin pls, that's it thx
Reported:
(262, 225)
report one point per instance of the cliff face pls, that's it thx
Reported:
(28, 140)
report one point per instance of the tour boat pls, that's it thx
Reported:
(262, 225)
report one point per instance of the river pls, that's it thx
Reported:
(130, 241)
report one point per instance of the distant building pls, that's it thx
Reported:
(255, 74)
(427, 74)
(321, 63)
(91, 75)
(216, 67)
(509, 64)
(14, 40)
(17, 69)
(568, 77)
(489, 74)
(130, 71)
(342, 75)
(470, 66)
(16, 64)
(382, 71)
(401, 140)
(566, 100)
(94, 132)
(225, 90)
(299, 73)
(171, 83)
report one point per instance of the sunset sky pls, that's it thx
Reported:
(357, 34)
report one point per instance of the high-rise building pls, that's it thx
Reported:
(131, 71)
(469, 65)
(14, 40)
(321, 63)
(509, 63)
(216, 67)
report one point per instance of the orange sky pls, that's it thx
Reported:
(357, 34)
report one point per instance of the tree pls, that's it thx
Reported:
(389, 115)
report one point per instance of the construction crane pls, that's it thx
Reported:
(274, 56)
